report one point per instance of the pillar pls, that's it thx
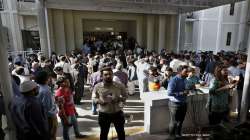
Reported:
(162, 33)
(246, 89)
(15, 31)
(41, 20)
(150, 32)
(50, 30)
(200, 31)
(171, 34)
(69, 30)
(218, 40)
(139, 31)
(78, 29)
(59, 31)
(246, 28)
(180, 32)
(6, 87)
(241, 27)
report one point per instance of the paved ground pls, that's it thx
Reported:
(88, 125)
(134, 110)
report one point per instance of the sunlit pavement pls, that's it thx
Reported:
(134, 112)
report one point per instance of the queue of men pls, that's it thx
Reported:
(47, 88)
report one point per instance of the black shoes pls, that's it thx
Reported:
(81, 136)
(95, 113)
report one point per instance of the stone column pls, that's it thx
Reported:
(139, 31)
(15, 31)
(59, 31)
(5, 83)
(162, 32)
(200, 25)
(171, 32)
(50, 30)
(41, 20)
(246, 89)
(150, 32)
(242, 27)
(247, 28)
(69, 30)
(78, 29)
(219, 28)
(180, 32)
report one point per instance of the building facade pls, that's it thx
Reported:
(219, 28)
(61, 26)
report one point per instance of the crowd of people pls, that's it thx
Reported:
(45, 88)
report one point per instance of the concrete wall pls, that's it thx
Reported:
(117, 26)
(212, 25)
(234, 30)
(30, 23)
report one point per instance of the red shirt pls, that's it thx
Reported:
(68, 101)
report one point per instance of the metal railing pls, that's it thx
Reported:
(188, 46)
(13, 54)
(185, 3)
(27, 5)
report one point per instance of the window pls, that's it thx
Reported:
(232, 9)
(31, 39)
(229, 35)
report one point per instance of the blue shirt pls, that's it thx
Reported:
(86, 49)
(15, 88)
(47, 100)
(175, 90)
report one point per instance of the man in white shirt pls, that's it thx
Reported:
(67, 70)
(175, 63)
(142, 66)
(66, 66)
(19, 72)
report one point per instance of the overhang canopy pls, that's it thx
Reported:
(138, 6)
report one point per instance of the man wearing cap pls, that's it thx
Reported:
(28, 114)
